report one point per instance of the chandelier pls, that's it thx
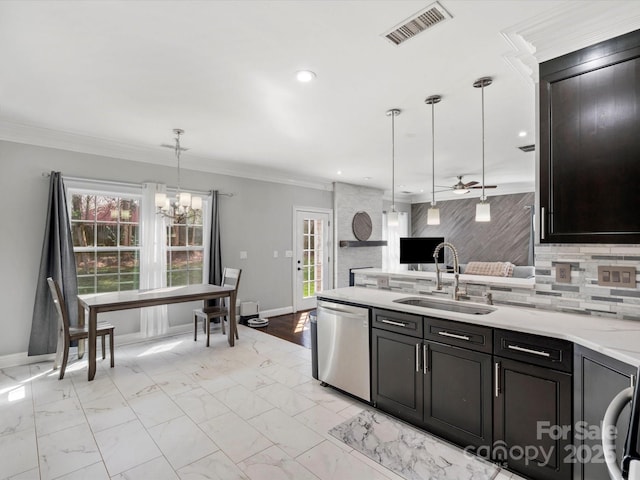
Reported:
(183, 204)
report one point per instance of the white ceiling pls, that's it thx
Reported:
(115, 77)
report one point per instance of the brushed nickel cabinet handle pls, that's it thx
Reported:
(425, 358)
(540, 353)
(417, 357)
(543, 230)
(391, 322)
(497, 379)
(454, 335)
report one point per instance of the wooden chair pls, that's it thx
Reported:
(67, 333)
(230, 278)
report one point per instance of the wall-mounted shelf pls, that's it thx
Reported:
(360, 243)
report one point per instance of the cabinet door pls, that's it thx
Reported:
(589, 144)
(397, 378)
(597, 379)
(532, 406)
(457, 394)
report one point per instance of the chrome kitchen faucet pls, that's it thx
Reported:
(456, 281)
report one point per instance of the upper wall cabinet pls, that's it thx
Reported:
(590, 144)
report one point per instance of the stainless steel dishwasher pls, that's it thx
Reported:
(343, 348)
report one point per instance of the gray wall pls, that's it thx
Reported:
(347, 201)
(504, 238)
(257, 219)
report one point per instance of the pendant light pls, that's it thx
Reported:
(433, 214)
(483, 211)
(392, 216)
(183, 204)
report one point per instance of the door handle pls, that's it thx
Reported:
(497, 379)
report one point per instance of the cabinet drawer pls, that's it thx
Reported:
(472, 337)
(534, 349)
(398, 322)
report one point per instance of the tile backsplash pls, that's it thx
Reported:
(581, 294)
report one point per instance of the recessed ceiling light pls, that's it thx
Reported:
(305, 76)
(339, 172)
(366, 178)
(522, 134)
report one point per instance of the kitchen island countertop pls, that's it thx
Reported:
(615, 338)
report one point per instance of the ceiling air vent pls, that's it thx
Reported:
(421, 21)
(528, 148)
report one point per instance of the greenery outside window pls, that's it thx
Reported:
(106, 236)
(185, 249)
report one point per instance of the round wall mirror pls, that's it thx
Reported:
(361, 225)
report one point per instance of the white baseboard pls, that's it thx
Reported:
(16, 359)
(274, 312)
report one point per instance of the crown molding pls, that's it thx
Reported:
(73, 142)
(546, 36)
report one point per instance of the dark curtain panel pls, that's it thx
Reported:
(215, 256)
(57, 261)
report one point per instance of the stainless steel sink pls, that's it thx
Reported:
(444, 305)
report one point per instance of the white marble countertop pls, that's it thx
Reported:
(448, 277)
(618, 339)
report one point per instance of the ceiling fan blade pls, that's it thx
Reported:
(486, 186)
(467, 185)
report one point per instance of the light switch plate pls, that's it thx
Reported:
(563, 272)
(617, 276)
(243, 255)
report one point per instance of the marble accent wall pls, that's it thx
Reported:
(348, 200)
(505, 238)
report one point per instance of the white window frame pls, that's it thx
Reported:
(131, 190)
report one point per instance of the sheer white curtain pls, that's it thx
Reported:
(392, 234)
(153, 261)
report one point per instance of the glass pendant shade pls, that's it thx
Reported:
(184, 198)
(196, 203)
(392, 219)
(483, 212)
(161, 199)
(433, 216)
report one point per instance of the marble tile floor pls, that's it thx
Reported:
(174, 409)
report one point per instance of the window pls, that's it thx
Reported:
(106, 237)
(312, 257)
(185, 249)
(106, 225)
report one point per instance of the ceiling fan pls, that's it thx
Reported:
(461, 188)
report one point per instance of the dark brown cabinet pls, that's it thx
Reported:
(443, 388)
(533, 404)
(589, 144)
(597, 379)
(397, 380)
(457, 395)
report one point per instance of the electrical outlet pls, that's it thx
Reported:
(382, 282)
(617, 276)
(288, 253)
(563, 272)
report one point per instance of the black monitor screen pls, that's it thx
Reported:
(420, 249)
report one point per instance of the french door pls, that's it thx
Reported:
(312, 255)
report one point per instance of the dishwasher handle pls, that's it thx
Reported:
(353, 312)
